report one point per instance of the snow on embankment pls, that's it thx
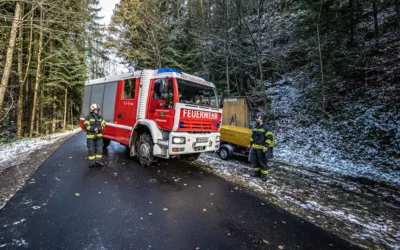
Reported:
(15, 153)
(315, 147)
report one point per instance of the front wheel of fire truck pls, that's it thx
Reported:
(144, 150)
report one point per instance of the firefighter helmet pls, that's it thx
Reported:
(93, 107)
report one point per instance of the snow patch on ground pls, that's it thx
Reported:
(364, 214)
(317, 152)
(15, 153)
(316, 148)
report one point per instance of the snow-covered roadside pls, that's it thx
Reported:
(20, 159)
(315, 150)
(314, 147)
(366, 215)
(12, 154)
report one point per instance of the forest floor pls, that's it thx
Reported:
(362, 211)
(20, 159)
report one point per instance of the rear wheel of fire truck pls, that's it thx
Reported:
(106, 142)
(144, 150)
(190, 157)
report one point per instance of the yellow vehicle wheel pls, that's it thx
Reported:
(224, 153)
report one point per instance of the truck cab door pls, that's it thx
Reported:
(125, 112)
(163, 95)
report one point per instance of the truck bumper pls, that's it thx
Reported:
(194, 143)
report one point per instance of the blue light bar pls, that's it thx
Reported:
(168, 70)
(206, 79)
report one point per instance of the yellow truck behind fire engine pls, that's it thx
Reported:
(234, 141)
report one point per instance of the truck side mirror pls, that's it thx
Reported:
(162, 85)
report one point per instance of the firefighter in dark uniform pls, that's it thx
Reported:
(94, 125)
(261, 144)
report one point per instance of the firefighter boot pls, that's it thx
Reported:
(99, 160)
(264, 175)
(257, 172)
(92, 164)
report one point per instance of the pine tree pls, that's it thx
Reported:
(53, 40)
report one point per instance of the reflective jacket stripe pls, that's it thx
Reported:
(270, 143)
(92, 136)
(259, 129)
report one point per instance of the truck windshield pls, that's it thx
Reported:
(194, 93)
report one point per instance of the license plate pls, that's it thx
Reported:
(202, 140)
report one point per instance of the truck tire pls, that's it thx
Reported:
(144, 149)
(106, 142)
(224, 153)
(190, 157)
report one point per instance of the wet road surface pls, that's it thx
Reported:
(173, 205)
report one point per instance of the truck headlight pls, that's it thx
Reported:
(218, 139)
(178, 140)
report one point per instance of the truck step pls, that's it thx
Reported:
(161, 156)
(162, 143)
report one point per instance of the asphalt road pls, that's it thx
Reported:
(174, 205)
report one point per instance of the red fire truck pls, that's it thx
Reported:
(157, 113)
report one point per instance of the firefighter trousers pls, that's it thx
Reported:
(258, 160)
(95, 147)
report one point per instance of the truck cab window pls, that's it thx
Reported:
(129, 88)
(164, 90)
(194, 93)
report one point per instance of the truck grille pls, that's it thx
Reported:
(196, 126)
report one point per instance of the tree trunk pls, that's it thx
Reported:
(260, 68)
(321, 68)
(40, 128)
(21, 82)
(65, 106)
(259, 47)
(375, 9)
(351, 5)
(10, 50)
(27, 107)
(397, 7)
(37, 124)
(227, 48)
(35, 92)
(54, 121)
(71, 117)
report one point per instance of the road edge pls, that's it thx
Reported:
(269, 198)
(29, 168)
